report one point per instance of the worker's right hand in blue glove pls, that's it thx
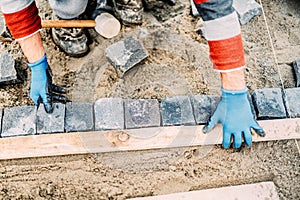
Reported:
(235, 115)
(41, 87)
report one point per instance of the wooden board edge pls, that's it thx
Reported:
(133, 139)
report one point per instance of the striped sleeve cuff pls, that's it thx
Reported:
(223, 33)
(225, 43)
(12, 6)
(23, 23)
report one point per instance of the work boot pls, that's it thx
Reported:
(101, 7)
(130, 12)
(73, 41)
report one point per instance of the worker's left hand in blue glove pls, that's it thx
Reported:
(235, 115)
(41, 88)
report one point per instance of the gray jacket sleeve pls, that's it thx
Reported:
(12, 6)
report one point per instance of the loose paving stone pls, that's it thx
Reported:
(125, 54)
(247, 10)
(53, 122)
(19, 121)
(204, 106)
(177, 111)
(296, 66)
(268, 103)
(141, 113)
(109, 114)
(7, 68)
(79, 117)
(291, 101)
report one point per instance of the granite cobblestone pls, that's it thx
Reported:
(141, 113)
(268, 103)
(291, 101)
(177, 110)
(118, 113)
(125, 54)
(51, 123)
(79, 117)
(204, 106)
(18, 121)
(109, 114)
(296, 67)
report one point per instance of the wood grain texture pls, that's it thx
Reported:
(133, 139)
(68, 23)
(257, 191)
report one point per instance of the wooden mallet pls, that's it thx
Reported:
(105, 24)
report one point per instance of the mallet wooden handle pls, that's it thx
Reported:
(68, 23)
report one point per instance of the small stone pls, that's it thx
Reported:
(79, 117)
(292, 103)
(177, 111)
(204, 106)
(7, 68)
(143, 33)
(19, 121)
(141, 113)
(109, 114)
(268, 103)
(296, 66)
(247, 10)
(172, 168)
(52, 122)
(125, 54)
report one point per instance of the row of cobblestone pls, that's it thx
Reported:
(117, 113)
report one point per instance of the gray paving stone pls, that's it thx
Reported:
(247, 10)
(141, 113)
(19, 121)
(79, 117)
(7, 67)
(177, 111)
(268, 103)
(204, 106)
(291, 101)
(51, 123)
(296, 66)
(125, 54)
(109, 114)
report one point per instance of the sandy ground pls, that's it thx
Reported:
(178, 64)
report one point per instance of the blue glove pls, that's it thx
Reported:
(41, 86)
(234, 112)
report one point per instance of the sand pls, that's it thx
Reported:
(178, 64)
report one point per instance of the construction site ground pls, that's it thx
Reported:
(178, 64)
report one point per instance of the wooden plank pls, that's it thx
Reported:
(133, 139)
(257, 191)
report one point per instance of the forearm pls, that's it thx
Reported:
(234, 80)
(24, 24)
(222, 30)
(33, 42)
